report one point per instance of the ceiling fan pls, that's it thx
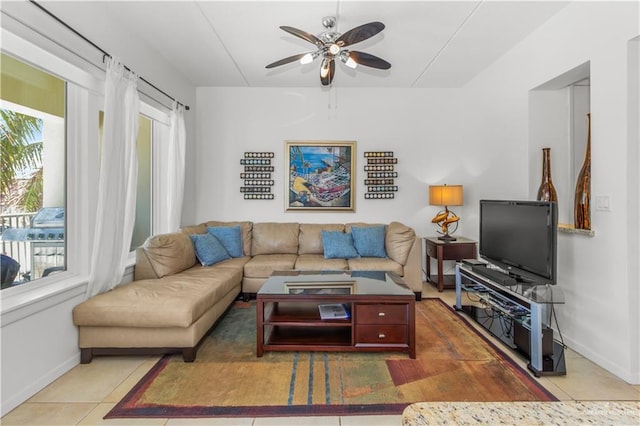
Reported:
(331, 45)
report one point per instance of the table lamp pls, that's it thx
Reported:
(445, 195)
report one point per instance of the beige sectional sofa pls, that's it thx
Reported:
(174, 300)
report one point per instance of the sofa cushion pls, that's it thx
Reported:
(375, 264)
(275, 238)
(399, 240)
(263, 265)
(208, 249)
(338, 245)
(348, 226)
(310, 238)
(246, 229)
(170, 253)
(317, 262)
(194, 229)
(176, 301)
(230, 237)
(369, 240)
(226, 273)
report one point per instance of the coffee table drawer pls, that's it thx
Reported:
(382, 314)
(381, 334)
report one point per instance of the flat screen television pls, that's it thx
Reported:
(521, 238)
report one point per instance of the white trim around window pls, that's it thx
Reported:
(84, 101)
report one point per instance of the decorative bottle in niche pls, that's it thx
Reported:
(546, 192)
(582, 201)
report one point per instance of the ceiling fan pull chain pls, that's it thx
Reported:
(332, 106)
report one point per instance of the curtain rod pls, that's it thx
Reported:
(104, 52)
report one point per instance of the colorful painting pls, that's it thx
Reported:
(320, 175)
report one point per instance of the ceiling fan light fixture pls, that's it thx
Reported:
(346, 59)
(334, 49)
(351, 63)
(308, 58)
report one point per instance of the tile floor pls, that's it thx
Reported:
(87, 392)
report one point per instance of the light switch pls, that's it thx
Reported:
(603, 203)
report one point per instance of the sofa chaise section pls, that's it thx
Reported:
(169, 312)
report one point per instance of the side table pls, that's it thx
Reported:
(461, 248)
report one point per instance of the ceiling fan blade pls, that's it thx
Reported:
(332, 69)
(327, 70)
(361, 33)
(286, 60)
(303, 35)
(369, 60)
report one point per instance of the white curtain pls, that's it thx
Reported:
(175, 167)
(118, 176)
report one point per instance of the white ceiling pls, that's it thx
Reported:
(436, 44)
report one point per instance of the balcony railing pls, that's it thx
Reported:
(39, 251)
(20, 251)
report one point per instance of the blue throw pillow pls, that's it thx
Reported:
(338, 245)
(369, 240)
(230, 237)
(208, 249)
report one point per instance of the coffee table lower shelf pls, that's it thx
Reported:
(278, 336)
(375, 325)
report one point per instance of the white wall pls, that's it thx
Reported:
(477, 136)
(421, 126)
(597, 319)
(39, 344)
(633, 189)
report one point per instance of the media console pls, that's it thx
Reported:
(518, 315)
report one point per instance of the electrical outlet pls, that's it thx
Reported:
(603, 203)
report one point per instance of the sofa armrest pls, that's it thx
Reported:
(143, 269)
(413, 268)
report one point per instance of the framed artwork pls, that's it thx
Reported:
(320, 175)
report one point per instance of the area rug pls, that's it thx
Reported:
(454, 363)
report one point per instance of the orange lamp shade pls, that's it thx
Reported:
(445, 195)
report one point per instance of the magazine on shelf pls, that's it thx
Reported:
(333, 311)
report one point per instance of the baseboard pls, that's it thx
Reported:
(630, 377)
(32, 388)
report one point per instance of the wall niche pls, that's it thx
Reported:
(558, 120)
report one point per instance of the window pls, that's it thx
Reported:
(142, 227)
(65, 101)
(32, 210)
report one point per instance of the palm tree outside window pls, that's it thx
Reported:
(33, 177)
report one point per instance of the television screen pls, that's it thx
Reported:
(520, 237)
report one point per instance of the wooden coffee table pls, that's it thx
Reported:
(380, 305)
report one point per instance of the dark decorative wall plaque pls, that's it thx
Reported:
(380, 175)
(256, 175)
